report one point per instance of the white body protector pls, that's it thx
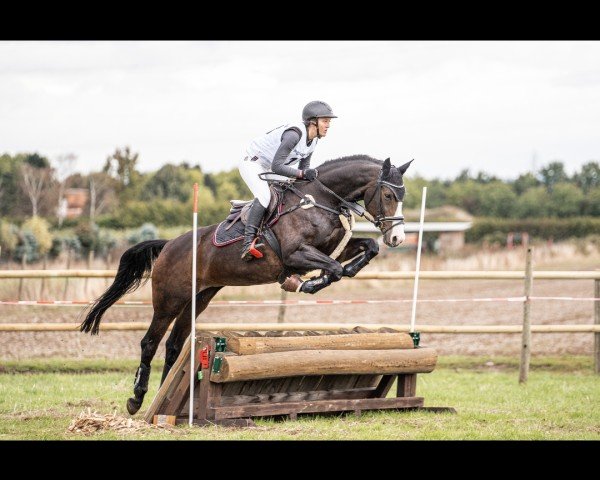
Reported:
(260, 154)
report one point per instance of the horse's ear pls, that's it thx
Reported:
(403, 168)
(386, 167)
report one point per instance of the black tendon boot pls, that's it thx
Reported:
(255, 215)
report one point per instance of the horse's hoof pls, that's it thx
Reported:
(133, 406)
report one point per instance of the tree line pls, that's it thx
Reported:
(120, 196)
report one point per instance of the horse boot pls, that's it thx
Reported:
(255, 215)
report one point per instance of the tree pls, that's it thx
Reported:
(591, 205)
(483, 177)
(64, 167)
(32, 182)
(36, 160)
(553, 174)
(589, 177)
(121, 165)
(463, 176)
(467, 195)
(566, 200)
(497, 200)
(524, 182)
(533, 203)
(170, 181)
(102, 194)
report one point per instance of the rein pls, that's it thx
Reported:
(346, 206)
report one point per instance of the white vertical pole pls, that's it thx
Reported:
(421, 221)
(193, 331)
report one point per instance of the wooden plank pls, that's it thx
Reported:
(296, 396)
(407, 385)
(384, 386)
(255, 410)
(309, 383)
(176, 401)
(171, 382)
(324, 362)
(367, 381)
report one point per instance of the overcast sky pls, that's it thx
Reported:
(500, 107)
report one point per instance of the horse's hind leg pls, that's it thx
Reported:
(183, 326)
(149, 344)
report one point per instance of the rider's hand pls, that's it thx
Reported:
(310, 174)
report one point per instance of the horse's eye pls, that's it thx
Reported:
(388, 196)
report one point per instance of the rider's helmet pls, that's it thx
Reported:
(316, 109)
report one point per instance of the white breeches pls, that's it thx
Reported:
(259, 188)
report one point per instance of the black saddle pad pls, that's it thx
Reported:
(223, 237)
(226, 234)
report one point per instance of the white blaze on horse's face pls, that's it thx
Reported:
(396, 234)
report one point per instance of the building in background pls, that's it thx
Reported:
(76, 200)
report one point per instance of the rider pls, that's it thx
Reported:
(276, 151)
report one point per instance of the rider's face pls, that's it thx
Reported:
(323, 125)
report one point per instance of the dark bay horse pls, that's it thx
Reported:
(307, 237)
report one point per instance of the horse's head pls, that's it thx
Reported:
(383, 200)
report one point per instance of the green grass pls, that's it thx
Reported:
(39, 398)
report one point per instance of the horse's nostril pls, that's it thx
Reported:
(394, 239)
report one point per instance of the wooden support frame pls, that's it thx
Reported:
(236, 403)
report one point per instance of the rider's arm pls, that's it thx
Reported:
(289, 139)
(305, 162)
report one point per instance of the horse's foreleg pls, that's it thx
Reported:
(183, 326)
(309, 257)
(149, 344)
(361, 251)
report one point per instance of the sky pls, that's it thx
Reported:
(500, 107)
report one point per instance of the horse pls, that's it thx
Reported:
(307, 237)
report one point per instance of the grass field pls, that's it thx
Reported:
(40, 398)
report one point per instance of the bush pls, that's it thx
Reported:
(27, 248)
(9, 237)
(541, 228)
(106, 241)
(65, 242)
(146, 232)
(87, 236)
(41, 231)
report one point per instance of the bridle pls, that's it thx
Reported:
(347, 206)
(380, 218)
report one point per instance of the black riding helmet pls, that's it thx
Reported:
(314, 110)
(317, 109)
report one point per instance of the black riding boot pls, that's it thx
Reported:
(255, 216)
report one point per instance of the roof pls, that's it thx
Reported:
(411, 227)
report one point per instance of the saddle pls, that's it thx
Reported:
(231, 229)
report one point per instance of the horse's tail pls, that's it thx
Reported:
(134, 264)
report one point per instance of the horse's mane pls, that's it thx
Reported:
(351, 158)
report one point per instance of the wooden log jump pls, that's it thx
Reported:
(365, 341)
(291, 376)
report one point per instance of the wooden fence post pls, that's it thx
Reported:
(526, 337)
(281, 314)
(597, 322)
